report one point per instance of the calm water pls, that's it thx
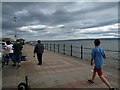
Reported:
(111, 45)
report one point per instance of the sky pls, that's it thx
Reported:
(60, 20)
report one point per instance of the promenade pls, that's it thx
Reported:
(57, 71)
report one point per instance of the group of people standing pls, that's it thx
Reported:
(14, 52)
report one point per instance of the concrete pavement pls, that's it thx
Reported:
(57, 71)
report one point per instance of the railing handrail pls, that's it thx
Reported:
(104, 50)
(56, 48)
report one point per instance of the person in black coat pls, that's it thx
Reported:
(39, 49)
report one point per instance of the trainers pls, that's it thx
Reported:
(112, 89)
(14, 65)
(39, 64)
(6, 64)
(90, 81)
(18, 67)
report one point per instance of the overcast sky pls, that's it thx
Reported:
(60, 20)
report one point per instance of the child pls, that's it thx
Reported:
(98, 56)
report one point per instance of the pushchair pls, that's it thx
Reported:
(5, 58)
(23, 57)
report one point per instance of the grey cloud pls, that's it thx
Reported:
(92, 15)
(39, 29)
(99, 32)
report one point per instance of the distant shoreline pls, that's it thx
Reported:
(80, 39)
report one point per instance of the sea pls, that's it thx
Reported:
(111, 48)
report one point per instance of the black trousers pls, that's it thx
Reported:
(39, 56)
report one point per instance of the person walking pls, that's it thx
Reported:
(17, 48)
(39, 49)
(10, 51)
(98, 56)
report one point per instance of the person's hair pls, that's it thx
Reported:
(8, 42)
(3, 43)
(17, 40)
(39, 41)
(97, 42)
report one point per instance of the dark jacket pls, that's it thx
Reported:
(39, 48)
(17, 48)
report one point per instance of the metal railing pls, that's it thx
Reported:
(56, 48)
(81, 52)
(61, 48)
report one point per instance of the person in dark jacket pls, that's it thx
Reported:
(39, 49)
(17, 53)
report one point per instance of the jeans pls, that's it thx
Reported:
(17, 57)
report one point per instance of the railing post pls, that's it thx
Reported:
(71, 50)
(44, 45)
(58, 48)
(50, 47)
(64, 49)
(81, 52)
(54, 47)
(47, 46)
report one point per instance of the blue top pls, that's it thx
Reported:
(98, 54)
